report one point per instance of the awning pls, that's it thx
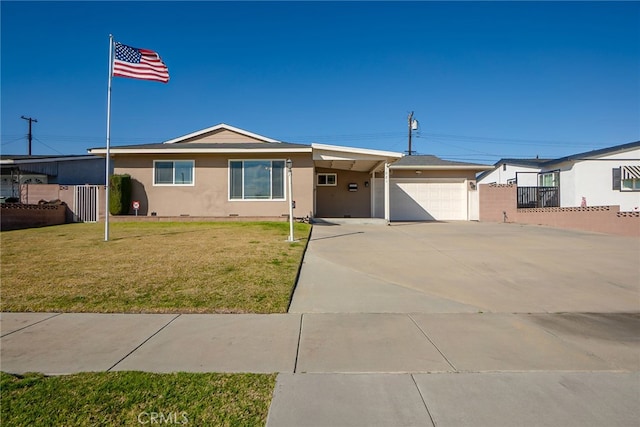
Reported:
(630, 172)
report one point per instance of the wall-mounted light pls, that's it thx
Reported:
(366, 184)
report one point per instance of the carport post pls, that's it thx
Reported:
(386, 192)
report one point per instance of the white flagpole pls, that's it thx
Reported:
(106, 204)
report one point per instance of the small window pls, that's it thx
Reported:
(173, 172)
(327, 179)
(632, 184)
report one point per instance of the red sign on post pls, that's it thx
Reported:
(136, 205)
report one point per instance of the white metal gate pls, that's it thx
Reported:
(85, 203)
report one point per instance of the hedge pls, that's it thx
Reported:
(119, 194)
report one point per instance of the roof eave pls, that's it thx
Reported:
(177, 150)
(441, 167)
(46, 160)
(343, 149)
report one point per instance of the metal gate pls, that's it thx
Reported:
(85, 203)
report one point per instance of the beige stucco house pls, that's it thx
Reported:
(223, 171)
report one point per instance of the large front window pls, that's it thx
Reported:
(173, 172)
(256, 180)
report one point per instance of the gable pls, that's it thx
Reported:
(221, 136)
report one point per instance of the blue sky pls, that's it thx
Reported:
(485, 79)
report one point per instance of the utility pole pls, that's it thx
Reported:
(30, 134)
(410, 126)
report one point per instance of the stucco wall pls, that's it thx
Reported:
(496, 201)
(209, 196)
(338, 202)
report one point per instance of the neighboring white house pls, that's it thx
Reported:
(507, 171)
(609, 176)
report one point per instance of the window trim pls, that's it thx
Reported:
(327, 174)
(193, 173)
(284, 180)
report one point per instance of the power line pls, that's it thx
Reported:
(49, 147)
(14, 140)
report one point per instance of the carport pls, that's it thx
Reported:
(345, 182)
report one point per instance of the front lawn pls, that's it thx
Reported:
(136, 398)
(181, 267)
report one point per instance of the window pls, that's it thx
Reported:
(632, 184)
(256, 180)
(327, 179)
(173, 172)
(548, 179)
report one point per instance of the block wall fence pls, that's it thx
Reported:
(498, 203)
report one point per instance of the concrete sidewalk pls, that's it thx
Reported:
(319, 343)
(367, 369)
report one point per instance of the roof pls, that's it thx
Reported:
(535, 162)
(434, 162)
(212, 148)
(354, 150)
(589, 155)
(185, 144)
(11, 159)
(351, 158)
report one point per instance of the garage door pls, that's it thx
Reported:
(423, 200)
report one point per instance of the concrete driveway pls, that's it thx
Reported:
(464, 324)
(466, 267)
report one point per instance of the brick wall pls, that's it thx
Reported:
(15, 216)
(496, 201)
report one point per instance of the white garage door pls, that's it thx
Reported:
(426, 200)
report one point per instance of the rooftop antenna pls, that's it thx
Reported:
(413, 125)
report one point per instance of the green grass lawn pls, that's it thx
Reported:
(133, 398)
(181, 267)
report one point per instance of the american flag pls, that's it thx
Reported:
(137, 63)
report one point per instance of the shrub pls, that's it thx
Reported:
(119, 194)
